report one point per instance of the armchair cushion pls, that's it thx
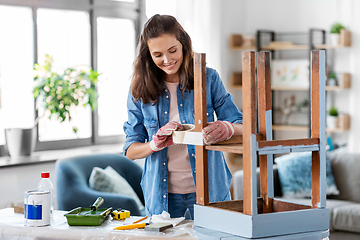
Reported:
(295, 175)
(109, 180)
(346, 172)
(347, 218)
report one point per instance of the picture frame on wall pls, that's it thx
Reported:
(290, 73)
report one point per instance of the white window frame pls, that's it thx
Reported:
(104, 8)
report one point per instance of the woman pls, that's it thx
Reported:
(161, 98)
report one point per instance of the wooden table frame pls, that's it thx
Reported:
(254, 217)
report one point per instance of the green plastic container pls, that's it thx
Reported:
(86, 217)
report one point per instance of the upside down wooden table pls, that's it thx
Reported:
(256, 217)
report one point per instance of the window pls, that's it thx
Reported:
(64, 35)
(97, 33)
(16, 65)
(115, 58)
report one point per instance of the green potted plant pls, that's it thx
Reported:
(335, 33)
(332, 118)
(332, 80)
(59, 91)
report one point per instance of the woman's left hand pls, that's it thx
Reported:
(218, 131)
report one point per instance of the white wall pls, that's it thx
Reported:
(248, 16)
(354, 62)
(15, 181)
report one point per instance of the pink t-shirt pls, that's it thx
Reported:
(180, 179)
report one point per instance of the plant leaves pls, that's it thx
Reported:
(59, 90)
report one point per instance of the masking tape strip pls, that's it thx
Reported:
(188, 136)
(193, 138)
(178, 136)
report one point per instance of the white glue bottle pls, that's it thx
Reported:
(46, 185)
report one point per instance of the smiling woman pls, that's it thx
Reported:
(160, 102)
(166, 52)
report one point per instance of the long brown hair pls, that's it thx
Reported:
(147, 80)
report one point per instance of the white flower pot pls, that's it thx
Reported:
(334, 39)
(331, 82)
(331, 122)
(20, 142)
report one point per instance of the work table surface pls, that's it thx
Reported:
(12, 227)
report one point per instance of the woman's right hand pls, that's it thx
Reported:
(163, 137)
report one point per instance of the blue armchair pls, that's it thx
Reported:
(72, 182)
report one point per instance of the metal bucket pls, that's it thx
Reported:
(20, 142)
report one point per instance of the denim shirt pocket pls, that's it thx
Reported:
(151, 127)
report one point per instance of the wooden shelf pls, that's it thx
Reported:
(289, 88)
(301, 47)
(239, 42)
(240, 48)
(303, 128)
(345, 83)
(334, 130)
(344, 41)
(335, 88)
(324, 46)
(233, 85)
(289, 128)
(286, 47)
(343, 124)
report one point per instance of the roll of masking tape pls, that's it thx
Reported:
(178, 136)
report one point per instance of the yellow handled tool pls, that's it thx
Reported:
(120, 214)
(131, 226)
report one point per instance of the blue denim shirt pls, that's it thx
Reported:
(144, 120)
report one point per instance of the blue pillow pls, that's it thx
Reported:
(295, 175)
